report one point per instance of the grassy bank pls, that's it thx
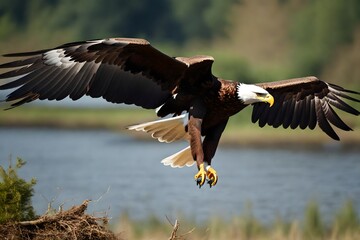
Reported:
(74, 118)
(344, 225)
(240, 130)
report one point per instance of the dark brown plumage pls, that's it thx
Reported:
(131, 71)
(304, 102)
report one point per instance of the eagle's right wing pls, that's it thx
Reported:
(305, 102)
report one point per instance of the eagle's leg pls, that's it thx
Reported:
(194, 128)
(210, 144)
(196, 115)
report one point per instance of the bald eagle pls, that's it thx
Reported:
(131, 71)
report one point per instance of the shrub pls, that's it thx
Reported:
(15, 194)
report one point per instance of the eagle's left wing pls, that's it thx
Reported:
(121, 70)
(304, 102)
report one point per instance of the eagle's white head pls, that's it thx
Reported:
(249, 94)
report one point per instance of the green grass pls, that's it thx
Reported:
(240, 130)
(344, 225)
(75, 118)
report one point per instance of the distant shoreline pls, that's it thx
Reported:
(226, 142)
(240, 132)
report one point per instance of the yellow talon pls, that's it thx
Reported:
(200, 176)
(212, 176)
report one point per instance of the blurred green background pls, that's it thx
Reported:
(251, 40)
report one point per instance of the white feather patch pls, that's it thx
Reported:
(57, 58)
(164, 130)
(180, 159)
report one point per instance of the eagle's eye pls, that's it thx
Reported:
(258, 94)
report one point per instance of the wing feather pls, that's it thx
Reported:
(58, 83)
(298, 106)
(255, 114)
(257, 111)
(322, 120)
(20, 63)
(288, 113)
(263, 117)
(31, 80)
(39, 85)
(340, 104)
(276, 110)
(102, 80)
(312, 117)
(305, 113)
(118, 69)
(46, 87)
(305, 102)
(280, 115)
(68, 86)
(84, 78)
(334, 118)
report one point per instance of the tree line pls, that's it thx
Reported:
(317, 29)
(166, 20)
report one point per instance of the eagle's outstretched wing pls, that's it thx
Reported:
(304, 102)
(120, 70)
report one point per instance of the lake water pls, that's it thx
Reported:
(122, 174)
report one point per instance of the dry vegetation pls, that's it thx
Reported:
(76, 224)
(70, 224)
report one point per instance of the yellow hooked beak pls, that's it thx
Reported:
(268, 98)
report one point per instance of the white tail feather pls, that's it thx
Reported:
(169, 130)
(164, 130)
(180, 159)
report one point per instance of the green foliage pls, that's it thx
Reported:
(233, 68)
(16, 9)
(347, 219)
(203, 18)
(156, 19)
(319, 28)
(313, 225)
(316, 30)
(7, 27)
(15, 195)
(123, 18)
(250, 226)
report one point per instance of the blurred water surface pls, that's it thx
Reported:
(122, 174)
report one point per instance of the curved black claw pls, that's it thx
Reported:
(198, 182)
(212, 176)
(200, 177)
(210, 183)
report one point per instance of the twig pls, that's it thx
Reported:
(77, 210)
(101, 196)
(174, 231)
(39, 221)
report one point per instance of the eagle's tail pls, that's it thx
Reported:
(165, 130)
(169, 130)
(179, 159)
